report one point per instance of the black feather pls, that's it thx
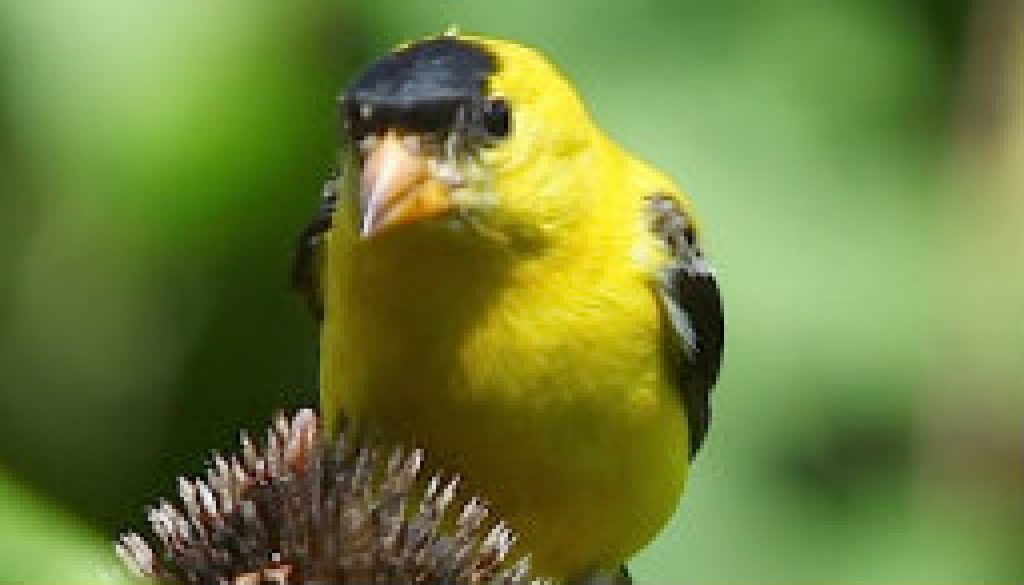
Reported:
(695, 355)
(307, 256)
(694, 316)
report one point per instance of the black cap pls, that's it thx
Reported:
(421, 87)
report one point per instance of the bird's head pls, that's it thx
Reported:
(471, 134)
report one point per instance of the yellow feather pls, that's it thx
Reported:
(532, 365)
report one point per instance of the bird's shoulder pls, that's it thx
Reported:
(686, 286)
(308, 252)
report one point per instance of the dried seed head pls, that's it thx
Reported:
(307, 510)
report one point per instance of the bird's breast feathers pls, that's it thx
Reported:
(544, 383)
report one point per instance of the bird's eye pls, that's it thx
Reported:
(353, 122)
(496, 117)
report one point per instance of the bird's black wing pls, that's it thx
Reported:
(307, 259)
(692, 307)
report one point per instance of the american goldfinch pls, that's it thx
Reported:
(500, 283)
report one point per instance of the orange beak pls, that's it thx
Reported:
(397, 186)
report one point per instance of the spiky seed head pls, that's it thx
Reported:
(306, 509)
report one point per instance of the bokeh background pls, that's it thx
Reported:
(859, 167)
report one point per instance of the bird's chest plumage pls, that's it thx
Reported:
(548, 395)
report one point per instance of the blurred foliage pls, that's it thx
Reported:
(857, 166)
(42, 545)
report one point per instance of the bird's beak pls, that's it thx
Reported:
(397, 186)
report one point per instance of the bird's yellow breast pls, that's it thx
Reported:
(540, 381)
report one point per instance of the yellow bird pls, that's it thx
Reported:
(500, 283)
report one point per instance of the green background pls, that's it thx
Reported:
(858, 167)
